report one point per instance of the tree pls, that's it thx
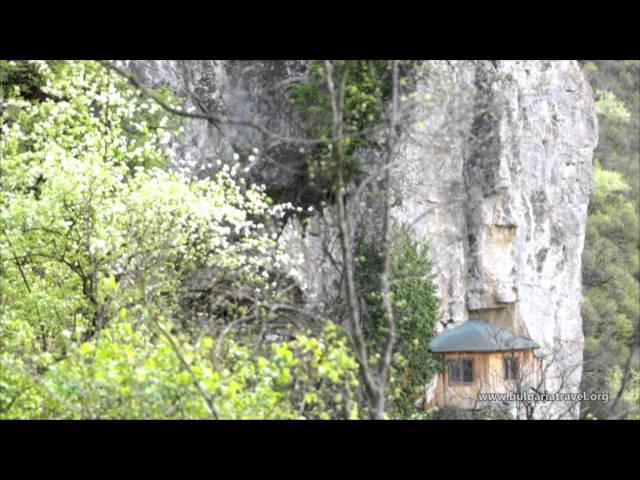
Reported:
(121, 279)
(415, 308)
(616, 86)
(611, 273)
(611, 312)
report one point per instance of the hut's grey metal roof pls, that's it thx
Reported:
(477, 335)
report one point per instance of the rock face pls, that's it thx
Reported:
(494, 172)
(240, 90)
(517, 199)
(504, 202)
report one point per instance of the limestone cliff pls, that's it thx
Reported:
(494, 172)
(505, 211)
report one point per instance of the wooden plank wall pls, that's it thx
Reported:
(488, 376)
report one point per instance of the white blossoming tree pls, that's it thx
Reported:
(119, 277)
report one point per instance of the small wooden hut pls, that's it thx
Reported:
(482, 358)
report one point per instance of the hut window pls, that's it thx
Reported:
(511, 368)
(461, 371)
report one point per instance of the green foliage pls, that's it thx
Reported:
(616, 84)
(131, 373)
(100, 249)
(607, 183)
(89, 110)
(611, 257)
(611, 274)
(415, 310)
(456, 413)
(609, 107)
(84, 233)
(631, 396)
(367, 87)
(21, 78)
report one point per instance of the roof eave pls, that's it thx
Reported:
(487, 351)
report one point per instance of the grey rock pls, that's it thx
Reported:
(494, 171)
